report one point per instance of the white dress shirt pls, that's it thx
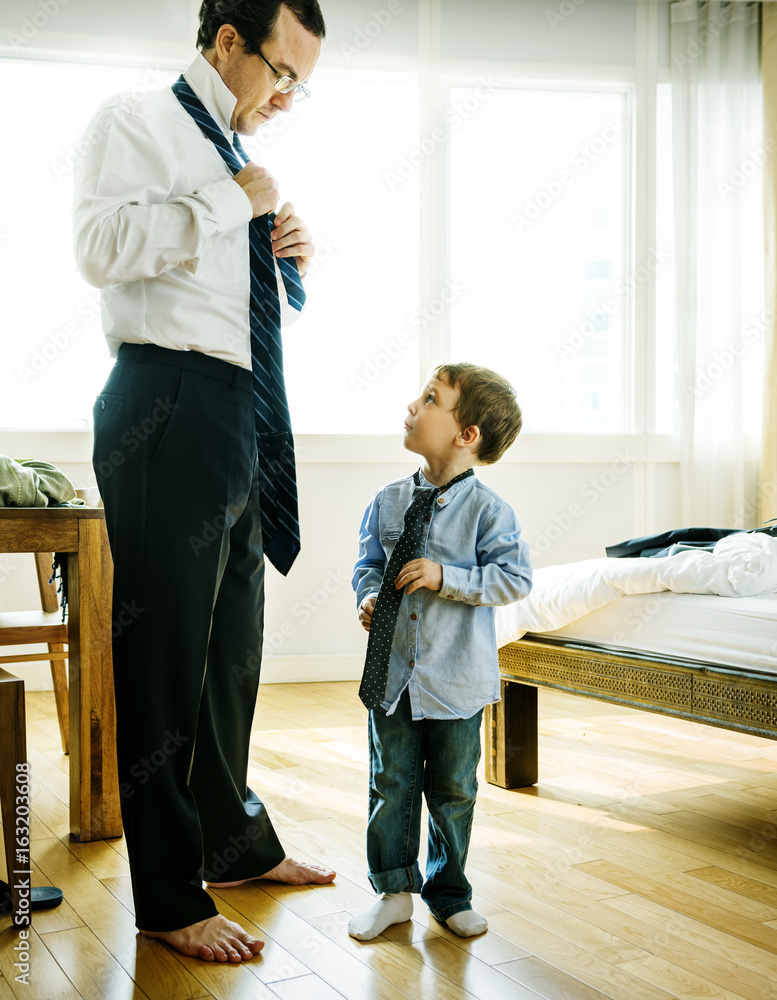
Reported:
(161, 227)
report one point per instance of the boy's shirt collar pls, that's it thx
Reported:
(451, 492)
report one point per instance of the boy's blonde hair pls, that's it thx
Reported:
(488, 401)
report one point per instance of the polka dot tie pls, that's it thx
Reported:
(384, 618)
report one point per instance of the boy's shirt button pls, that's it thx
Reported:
(411, 664)
(413, 617)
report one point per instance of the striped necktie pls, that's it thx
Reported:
(372, 689)
(277, 470)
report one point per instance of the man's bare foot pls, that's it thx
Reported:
(289, 871)
(213, 940)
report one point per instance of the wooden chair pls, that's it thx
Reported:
(13, 751)
(45, 626)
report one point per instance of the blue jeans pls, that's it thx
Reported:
(436, 758)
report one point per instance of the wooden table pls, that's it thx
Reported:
(80, 531)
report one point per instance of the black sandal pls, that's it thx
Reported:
(45, 897)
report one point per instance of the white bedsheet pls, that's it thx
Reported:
(732, 631)
(741, 565)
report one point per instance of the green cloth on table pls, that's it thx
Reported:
(30, 483)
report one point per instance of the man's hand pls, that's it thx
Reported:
(290, 237)
(366, 608)
(419, 573)
(260, 186)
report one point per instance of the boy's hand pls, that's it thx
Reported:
(419, 573)
(366, 608)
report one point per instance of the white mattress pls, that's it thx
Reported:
(731, 631)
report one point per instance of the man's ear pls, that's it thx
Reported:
(470, 435)
(227, 40)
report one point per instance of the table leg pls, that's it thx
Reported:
(13, 752)
(94, 787)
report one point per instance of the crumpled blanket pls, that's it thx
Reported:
(31, 483)
(740, 565)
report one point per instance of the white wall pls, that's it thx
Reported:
(573, 495)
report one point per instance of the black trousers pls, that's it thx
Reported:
(175, 457)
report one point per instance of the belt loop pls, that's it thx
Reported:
(235, 376)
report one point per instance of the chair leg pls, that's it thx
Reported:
(59, 679)
(13, 751)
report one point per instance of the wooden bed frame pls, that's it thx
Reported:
(701, 692)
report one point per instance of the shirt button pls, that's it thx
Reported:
(450, 597)
(413, 617)
(441, 500)
(411, 664)
(428, 517)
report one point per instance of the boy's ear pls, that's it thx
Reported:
(470, 435)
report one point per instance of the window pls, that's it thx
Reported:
(54, 355)
(539, 222)
(344, 159)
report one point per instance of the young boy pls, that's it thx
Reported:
(437, 551)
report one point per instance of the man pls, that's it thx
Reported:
(193, 451)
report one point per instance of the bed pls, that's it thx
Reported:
(692, 635)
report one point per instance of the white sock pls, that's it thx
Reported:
(467, 923)
(391, 908)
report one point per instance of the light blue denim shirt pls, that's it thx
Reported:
(444, 648)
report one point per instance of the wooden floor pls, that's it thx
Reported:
(642, 867)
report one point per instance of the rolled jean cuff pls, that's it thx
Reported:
(397, 880)
(448, 911)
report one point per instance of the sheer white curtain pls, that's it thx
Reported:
(718, 154)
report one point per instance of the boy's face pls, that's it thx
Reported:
(430, 427)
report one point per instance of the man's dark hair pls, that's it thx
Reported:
(255, 20)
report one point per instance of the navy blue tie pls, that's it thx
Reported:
(277, 470)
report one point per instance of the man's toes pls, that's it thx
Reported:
(205, 952)
(252, 946)
(220, 953)
(307, 873)
(321, 876)
(240, 949)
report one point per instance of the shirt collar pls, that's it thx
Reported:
(212, 91)
(451, 492)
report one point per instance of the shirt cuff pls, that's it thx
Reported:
(363, 597)
(453, 580)
(232, 205)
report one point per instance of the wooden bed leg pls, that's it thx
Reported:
(511, 737)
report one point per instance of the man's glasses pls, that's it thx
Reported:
(285, 84)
